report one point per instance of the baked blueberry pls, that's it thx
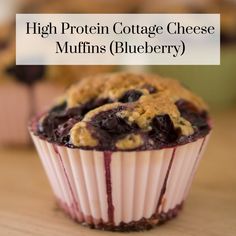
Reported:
(130, 96)
(111, 123)
(59, 108)
(163, 129)
(143, 114)
(27, 74)
(151, 89)
(199, 120)
(58, 123)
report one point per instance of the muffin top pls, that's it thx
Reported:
(125, 111)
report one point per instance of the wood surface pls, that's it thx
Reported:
(27, 206)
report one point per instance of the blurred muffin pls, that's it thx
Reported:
(79, 6)
(70, 73)
(14, 100)
(31, 88)
(6, 38)
(226, 70)
(23, 90)
(226, 8)
(108, 6)
(123, 149)
(168, 6)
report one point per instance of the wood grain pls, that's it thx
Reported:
(27, 206)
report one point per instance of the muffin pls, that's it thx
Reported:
(168, 6)
(23, 91)
(30, 88)
(120, 150)
(226, 9)
(79, 6)
(13, 98)
(108, 6)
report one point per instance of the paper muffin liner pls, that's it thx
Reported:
(120, 190)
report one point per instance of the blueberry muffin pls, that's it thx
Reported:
(226, 8)
(79, 6)
(120, 150)
(26, 88)
(30, 88)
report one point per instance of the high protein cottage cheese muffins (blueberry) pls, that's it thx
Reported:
(120, 150)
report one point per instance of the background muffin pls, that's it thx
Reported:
(28, 89)
(23, 91)
(79, 6)
(190, 74)
(124, 148)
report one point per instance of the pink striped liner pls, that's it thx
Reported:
(45, 94)
(96, 187)
(14, 115)
(17, 103)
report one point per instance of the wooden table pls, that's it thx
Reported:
(27, 206)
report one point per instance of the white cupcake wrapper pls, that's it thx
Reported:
(80, 180)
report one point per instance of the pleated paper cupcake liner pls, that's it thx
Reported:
(131, 190)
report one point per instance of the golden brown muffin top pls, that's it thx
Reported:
(157, 97)
(114, 85)
(125, 111)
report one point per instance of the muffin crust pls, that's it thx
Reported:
(114, 85)
(126, 111)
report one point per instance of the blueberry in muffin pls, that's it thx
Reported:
(120, 150)
(126, 112)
